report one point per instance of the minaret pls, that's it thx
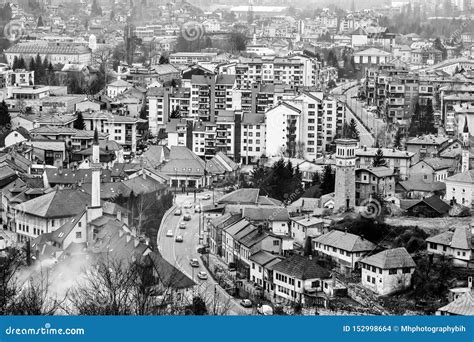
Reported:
(465, 147)
(344, 197)
(95, 209)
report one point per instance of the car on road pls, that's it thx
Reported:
(202, 275)
(194, 262)
(265, 310)
(206, 197)
(179, 238)
(187, 217)
(231, 267)
(182, 225)
(169, 233)
(197, 209)
(203, 250)
(246, 303)
(178, 212)
(188, 205)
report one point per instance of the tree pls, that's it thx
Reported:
(79, 122)
(40, 22)
(5, 119)
(198, 307)
(96, 10)
(175, 113)
(237, 41)
(332, 59)
(428, 123)
(397, 143)
(414, 128)
(329, 180)
(379, 159)
(143, 113)
(316, 179)
(164, 60)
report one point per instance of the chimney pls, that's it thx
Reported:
(119, 215)
(469, 282)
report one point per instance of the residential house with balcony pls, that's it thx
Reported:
(260, 273)
(306, 227)
(399, 161)
(283, 129)
(253, 136)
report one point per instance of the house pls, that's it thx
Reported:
(185, 169)
(432, 169)
(429, 207)
(457, 244)
(118, 87)
(415, 188)
(460, 188)
(17, 136)
(247, 197)
(275, 219)
(304, 205)
(344, 248)
(399, 161)
(260, 274)
(387, 272)
(374, 180)
(296, 277)
(427, 146)
(221, 167)
(304, 227)
(216, 226)
(228, 243)
(462, 306)
(49, 212)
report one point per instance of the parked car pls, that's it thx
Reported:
(246, 303)
(182, 225)
(197, 209)
(187, 217)
(203, 250)
(231, 267)
(169, 233)
(194, 262)
(188, 205)
(202, 275)
(206, 197)
(265, 310)
(179, 238)
(178, 212)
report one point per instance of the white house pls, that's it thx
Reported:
(259, 272)
(306, 226)
(283, 128)
(295, 276)
(345, 248)
(457, 244)
(17, 136)
(118, 87)
(387, 272)
(460, 188)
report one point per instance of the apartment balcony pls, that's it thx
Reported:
(396, 101)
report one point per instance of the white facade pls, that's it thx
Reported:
(386, 281)
(283, 128)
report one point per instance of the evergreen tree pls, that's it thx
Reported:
(164, 60)
(353, 129)
(15, 64)
(40, 22)
(5, 119)
(316, 179)
(379, 159)
(428, 123)
(175, 113)
(328, 181)
(79, 122)
(32, 67)
(21, 63)
(397, 143)
(414, 128)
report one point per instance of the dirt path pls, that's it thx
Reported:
(430, 225)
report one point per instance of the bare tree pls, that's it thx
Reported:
(10, 264)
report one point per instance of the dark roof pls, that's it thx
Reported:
(390, 258)
(241, 196)
(435, 203)
(301, 268)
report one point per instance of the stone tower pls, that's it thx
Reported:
(465, 147)
(345, 174)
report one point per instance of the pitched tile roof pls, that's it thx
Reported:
(390, 258)
(462, 306)
(266, 214)
(464, 177)
(263, 257)
(345, 241)
(241, 196)
(435, 203)
(56, 204)
(301, 268)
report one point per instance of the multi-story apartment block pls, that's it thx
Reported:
(204, 139)
(209, 94)
(253, 136)
(186, 58)
(17, 78)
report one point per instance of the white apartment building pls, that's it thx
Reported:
(204, 139)
(283, 124)
(253, 136)
(121, 129)
(56, 53)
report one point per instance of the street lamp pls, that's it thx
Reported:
(177, 183)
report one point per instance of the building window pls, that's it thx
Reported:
(78, 235)
(392, 271)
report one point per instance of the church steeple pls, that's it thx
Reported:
(95, 209)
